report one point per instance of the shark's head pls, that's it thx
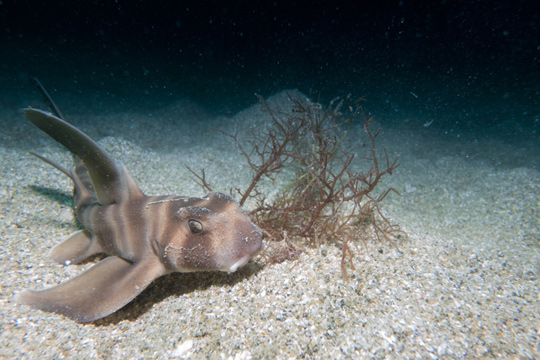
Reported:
(214, 234)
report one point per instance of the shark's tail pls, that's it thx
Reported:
(57, 112)
(48, 99)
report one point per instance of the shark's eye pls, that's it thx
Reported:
(195, 226)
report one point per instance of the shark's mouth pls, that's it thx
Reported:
(243, 261)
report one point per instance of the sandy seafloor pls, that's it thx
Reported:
(466, 284)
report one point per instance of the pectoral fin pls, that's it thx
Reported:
(97, 292)
(77, 247)
(111, 181)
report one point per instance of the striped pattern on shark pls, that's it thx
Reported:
(145, 236)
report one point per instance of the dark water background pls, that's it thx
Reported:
(464, 70)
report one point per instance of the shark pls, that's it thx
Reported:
(143, 237)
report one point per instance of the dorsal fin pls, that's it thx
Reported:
(111, 181)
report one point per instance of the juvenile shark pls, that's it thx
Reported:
(145, 236)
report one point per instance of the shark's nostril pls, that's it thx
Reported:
(258, 251)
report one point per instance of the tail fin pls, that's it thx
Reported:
(49, 101)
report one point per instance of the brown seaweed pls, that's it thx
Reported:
(329, 201)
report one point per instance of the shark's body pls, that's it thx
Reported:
(145, 236)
